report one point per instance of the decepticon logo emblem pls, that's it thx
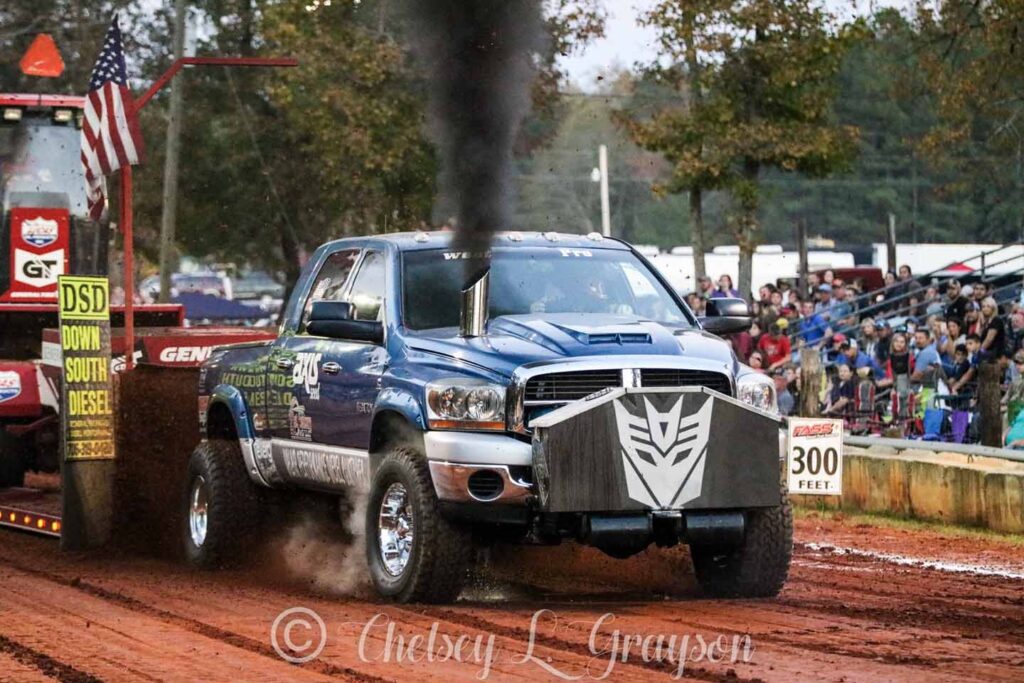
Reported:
(663, 453)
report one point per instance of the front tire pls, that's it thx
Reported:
(221, 506)
(414, 554)
(757, 567)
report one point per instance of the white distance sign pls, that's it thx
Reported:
(815, 462)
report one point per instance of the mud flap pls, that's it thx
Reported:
(635, 449)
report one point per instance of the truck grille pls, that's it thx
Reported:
(563, 387)
(715, 381)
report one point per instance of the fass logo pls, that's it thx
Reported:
(10, 385)
(822, 429)
(40, 232)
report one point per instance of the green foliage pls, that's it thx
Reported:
(758, 78)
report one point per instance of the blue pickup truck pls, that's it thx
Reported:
(567, 393)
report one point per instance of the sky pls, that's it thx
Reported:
(625, 43)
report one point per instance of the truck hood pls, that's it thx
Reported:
(515, 340)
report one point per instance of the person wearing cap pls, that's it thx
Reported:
(884, 344)
(704, 287)
(783, 398)
(956, 302)
(824, 301)
(775, 345)
(851, 355)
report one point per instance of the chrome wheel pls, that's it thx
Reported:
(197, 511)
(395, 529)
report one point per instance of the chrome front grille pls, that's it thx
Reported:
(563, 387)
(686, 378)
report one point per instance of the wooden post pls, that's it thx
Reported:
(989, 400)
(801, 248)
(812, 378)
(129, 267)
(890, 241)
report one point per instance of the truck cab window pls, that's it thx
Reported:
(368, 288)
(330, 281)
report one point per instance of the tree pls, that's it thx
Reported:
(971, 55)
(766, 82)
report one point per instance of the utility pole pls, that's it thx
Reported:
(801, 249)
(169, 215)
(606, 218)
(890, 242)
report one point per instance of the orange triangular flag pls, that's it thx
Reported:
(42, 58)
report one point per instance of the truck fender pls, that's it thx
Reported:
(231, 398)
(256, 452)
(395, 405)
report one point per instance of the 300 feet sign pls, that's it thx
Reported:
(87, 403)
(815, 462)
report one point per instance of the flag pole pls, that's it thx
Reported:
(129, 267)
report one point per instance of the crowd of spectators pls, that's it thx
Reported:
(919, 341)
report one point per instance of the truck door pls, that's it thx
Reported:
(348, 373)
(294, 362)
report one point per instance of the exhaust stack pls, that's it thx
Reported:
(473, 314)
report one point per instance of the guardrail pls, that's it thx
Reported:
(936, 446)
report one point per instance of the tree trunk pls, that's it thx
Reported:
(812, 377)
(989, 396)
(746, 275)
(697, 233)
(292, 267)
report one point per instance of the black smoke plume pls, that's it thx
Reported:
(479, 57)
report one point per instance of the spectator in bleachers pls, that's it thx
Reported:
(992, 331)
(824, 301)
(868, 337)
(775, 345)
(956, 303)
(812, 326)
(696, 303)
(841, 308)
(933, 304)
(852, 356)
(785, 400)
(1017, 329)
(704, 287)
(884, 345)
(926, 357)
(841, 392)
(962, 370)
(725, 289)
(907, 284)
(899, 365)
(979, 290)
(756, 362)
(813, 282)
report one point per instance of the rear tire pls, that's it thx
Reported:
(12, 460)
(427, 556)
(222, 509)
(757, 568)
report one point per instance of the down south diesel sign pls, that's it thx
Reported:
(38, 254)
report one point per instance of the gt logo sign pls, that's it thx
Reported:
(38, 270)
(823, 429)
(185, 354)
(306, 373)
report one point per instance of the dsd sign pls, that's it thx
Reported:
(815, 462)
(87, 402)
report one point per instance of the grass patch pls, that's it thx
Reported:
(887, 521)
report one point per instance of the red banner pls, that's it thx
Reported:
(39, 254)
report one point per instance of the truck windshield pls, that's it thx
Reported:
(541, 280)
(39, 166)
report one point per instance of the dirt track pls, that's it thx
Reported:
(843, 616)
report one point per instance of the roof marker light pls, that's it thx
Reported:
(595, 236)
(421, 236)
(62, 115)
(515, 237)
(12, 114)
(552, 236)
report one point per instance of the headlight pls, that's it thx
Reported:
(465, 404)
(759, 391)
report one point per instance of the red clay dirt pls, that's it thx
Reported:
(843, 616)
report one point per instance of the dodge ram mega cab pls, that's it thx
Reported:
(568, 393)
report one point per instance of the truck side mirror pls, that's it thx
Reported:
(334, 319)
(726, 316)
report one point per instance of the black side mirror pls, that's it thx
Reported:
(726, 316)
(334, 319)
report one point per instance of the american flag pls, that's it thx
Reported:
(110, 132)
